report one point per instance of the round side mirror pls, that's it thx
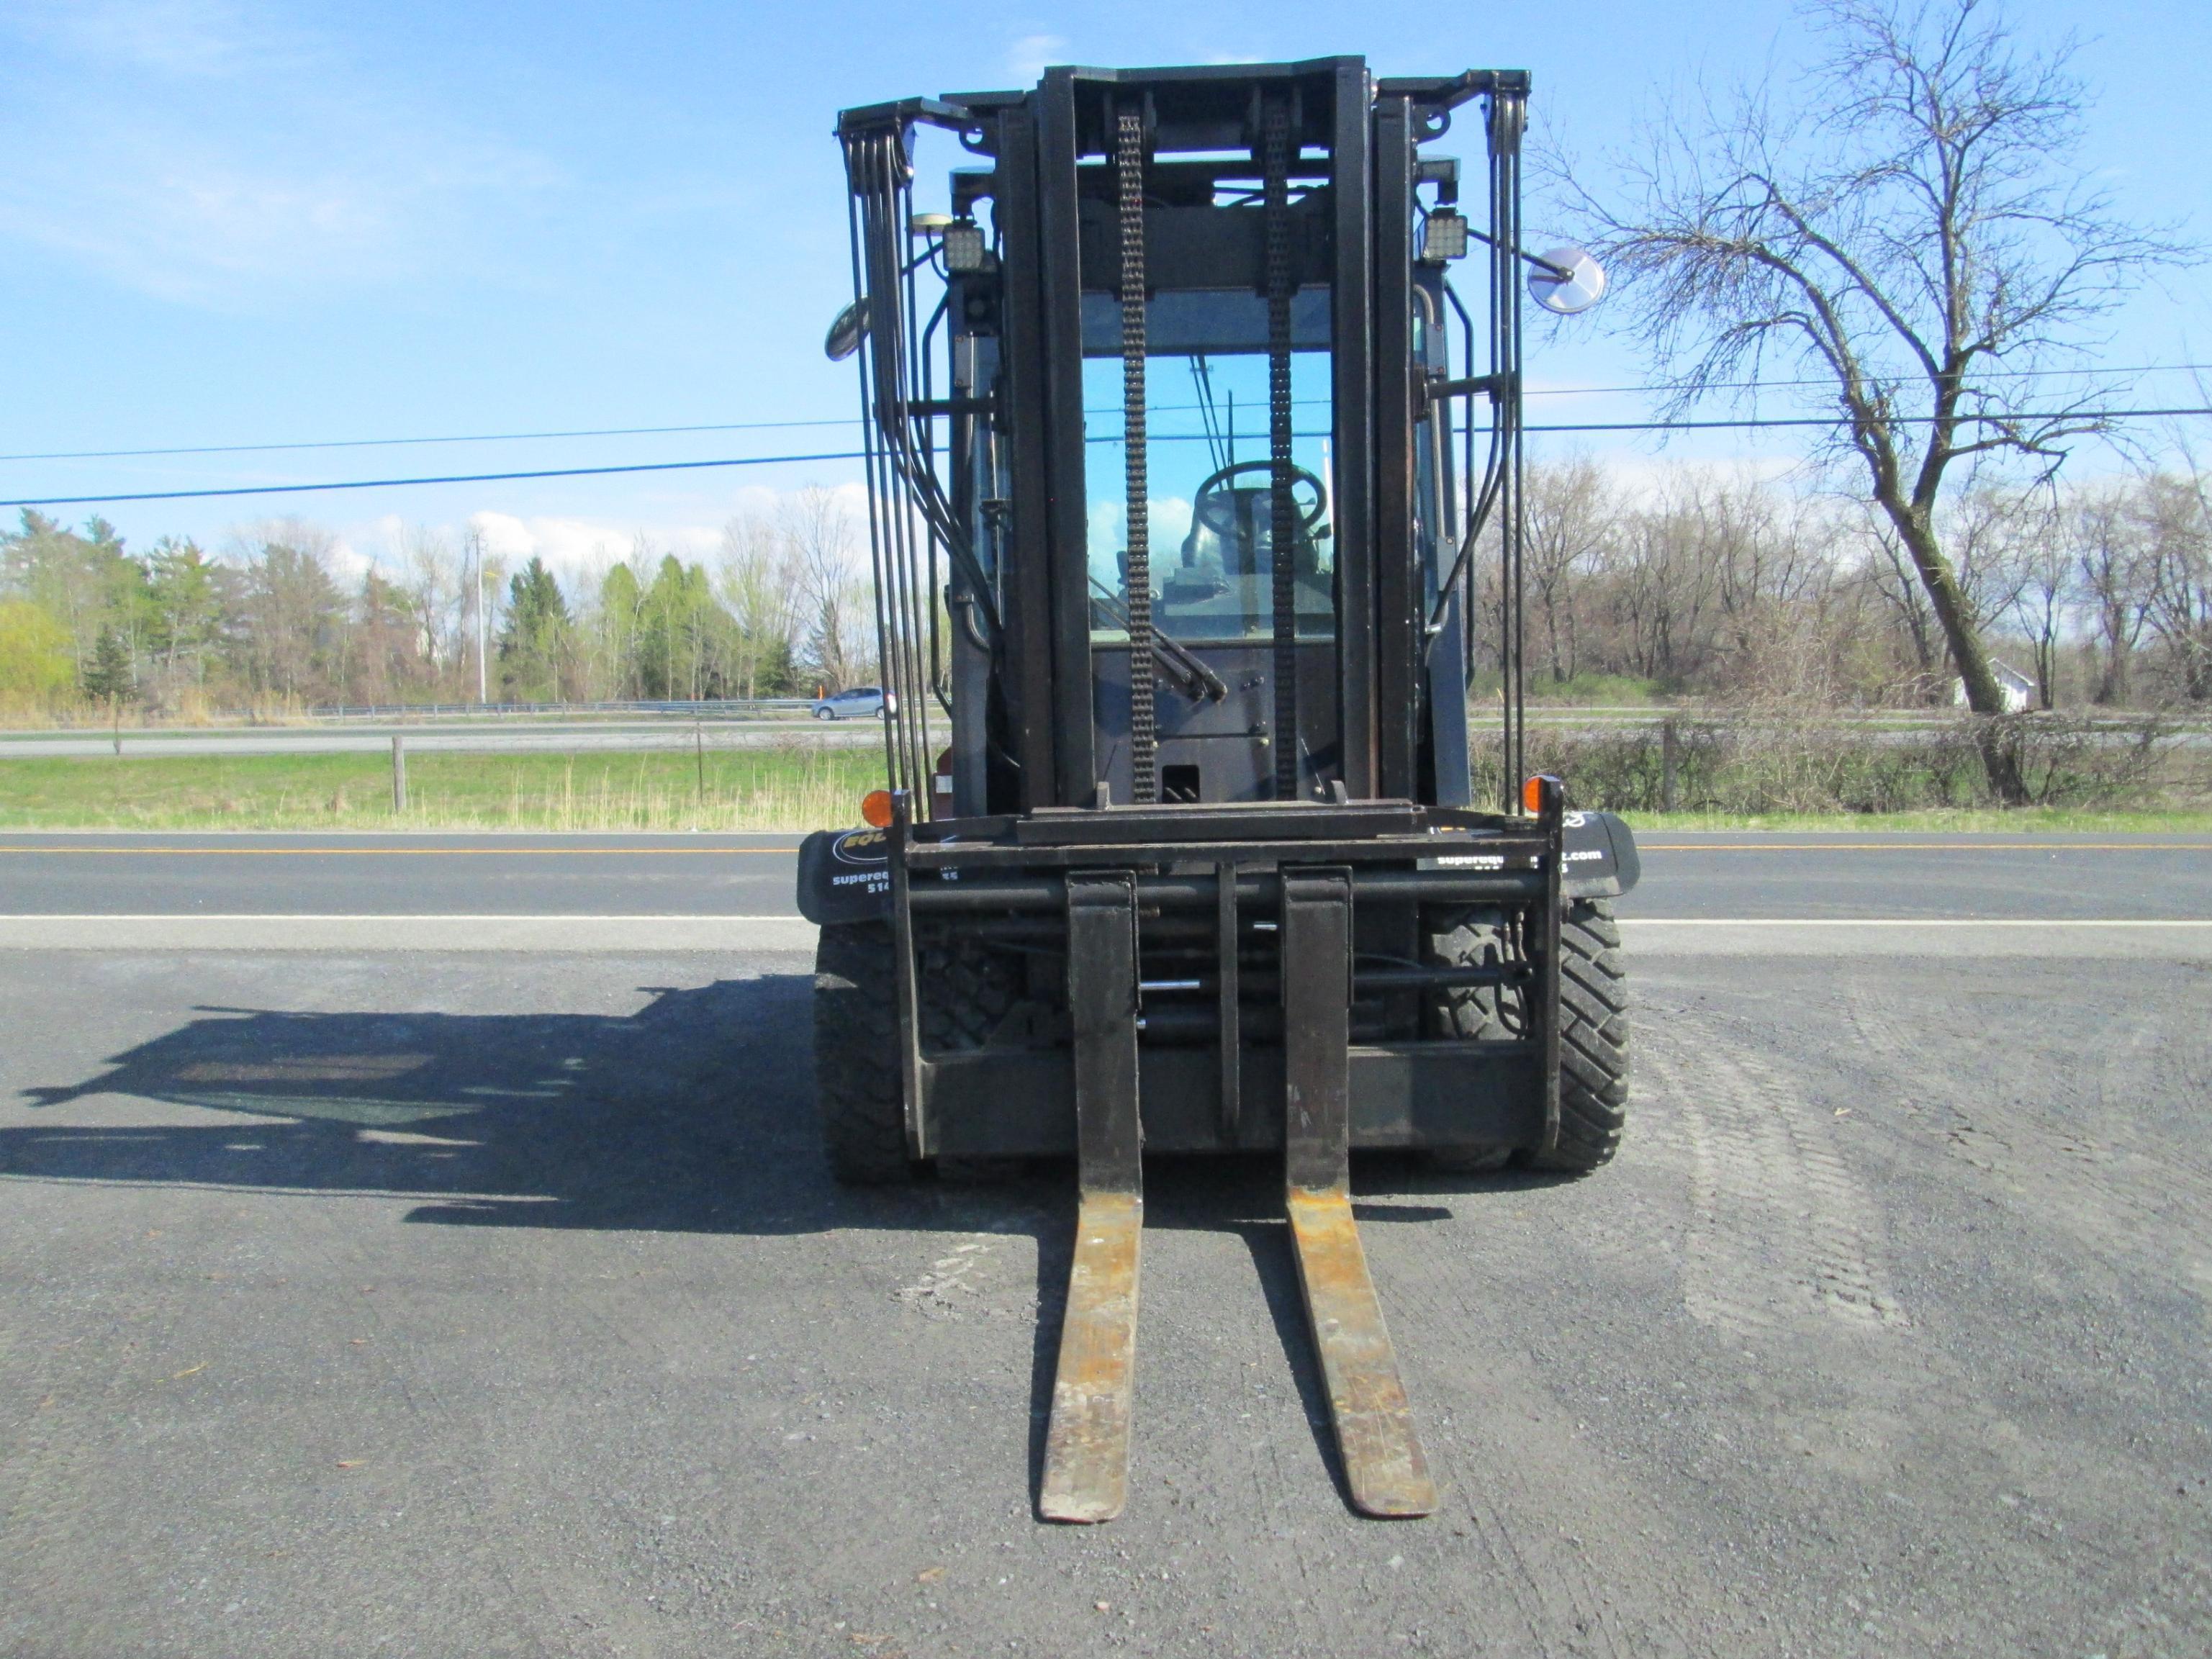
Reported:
(1568, 294)
(847, 332)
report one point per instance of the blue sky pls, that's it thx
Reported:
(224, 221)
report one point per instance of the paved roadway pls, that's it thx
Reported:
(462, 1301)
(1704, 874)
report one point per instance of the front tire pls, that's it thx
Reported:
(1593, 1041)
(856, 1070)
(967, 989)
(825, 714)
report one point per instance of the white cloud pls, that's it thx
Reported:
(194, 152)
(186, 38)
(1029, 58)
(586, 547)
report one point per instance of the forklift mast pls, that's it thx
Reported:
(1175, 461)
(1181, 448)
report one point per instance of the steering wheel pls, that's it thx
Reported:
(1213, 508)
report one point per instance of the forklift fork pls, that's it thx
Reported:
(1087, 1444)
(1383, 1466)
(1086, 1457)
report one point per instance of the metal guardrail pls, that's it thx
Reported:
(705, 708)
(1619, 718)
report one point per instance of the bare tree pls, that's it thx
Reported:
(761, 581)
(436, 592)
(839, 625)
(1570, 518)
(2179, 519)
(1890, 571)
(2041, 575)
(2114, 568)
(1913, 233)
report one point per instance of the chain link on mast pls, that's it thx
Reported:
(1143, 732)
(1282, 524)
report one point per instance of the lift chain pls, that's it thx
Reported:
(1144, 737)
(1275, 168)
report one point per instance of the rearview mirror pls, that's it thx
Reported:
(847, 332)
(1566, 281)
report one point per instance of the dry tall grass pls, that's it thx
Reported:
(1779, 762)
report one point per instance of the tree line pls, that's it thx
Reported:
(1729, 589)
(271, 619)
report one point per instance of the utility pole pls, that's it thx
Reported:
(483, 678)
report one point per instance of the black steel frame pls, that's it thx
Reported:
(1023, 856)
(1208, 1069)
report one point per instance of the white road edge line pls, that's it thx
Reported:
(1914, 921)
(377, 915)
(587, 918)
(279, 932)
(2073, 938)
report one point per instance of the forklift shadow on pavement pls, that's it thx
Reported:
(693, 1115)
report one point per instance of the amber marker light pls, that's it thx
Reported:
(876, 808)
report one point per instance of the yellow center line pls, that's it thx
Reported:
(410, 851)
(1923, 847)
(793, 846)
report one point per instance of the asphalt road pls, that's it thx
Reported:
(461, 1303)
(1712, 875)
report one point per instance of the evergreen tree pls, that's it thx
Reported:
(183, 598)
(534, 641)
(108, 676)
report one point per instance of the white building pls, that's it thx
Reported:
(2019, 690)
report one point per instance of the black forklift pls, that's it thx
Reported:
(1184, 459)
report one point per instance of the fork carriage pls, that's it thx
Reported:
(1191, 863)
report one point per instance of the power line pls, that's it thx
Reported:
(848, 421)
(460, 477)
(458, 438)
(1895, 420)
(854, 455)
(1779, 385)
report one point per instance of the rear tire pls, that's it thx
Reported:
(1593, 1041)
(1593, 1024)
(1474, 936)
(856, 1069)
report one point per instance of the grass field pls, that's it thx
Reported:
(801, 787)
(798, 788)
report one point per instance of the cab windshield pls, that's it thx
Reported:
(1210, 481)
